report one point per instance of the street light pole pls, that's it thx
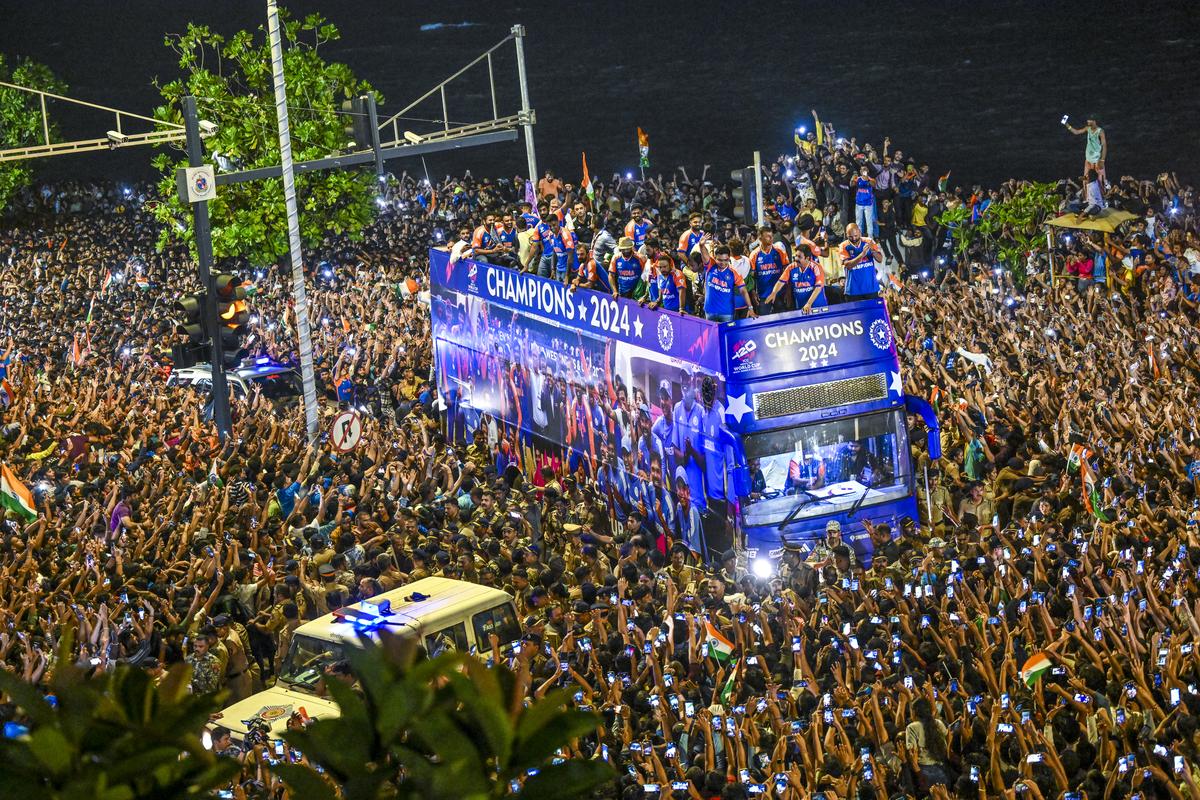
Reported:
(220, 387)
(518, 32)
(299, 294)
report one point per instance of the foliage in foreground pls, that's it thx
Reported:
(116, 736)
(447, 727)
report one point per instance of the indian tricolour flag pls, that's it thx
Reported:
(14, 495)
(1034, 667)
(586, 184)
(1077, 455)
(719, 647)
(1091, 495)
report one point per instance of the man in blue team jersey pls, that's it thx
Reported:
(721, 283)
(859, 257)
(688, 430)
(715, 438)
(625, 270)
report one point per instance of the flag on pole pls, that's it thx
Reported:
(142, 283)
(944, 182)
(719, 647)
(587, 181)
(14, 495)
(643, 149)
(7, 393)
(727, 691)
(76, 352)
(214, 478)
(1077, 456)
(1091, 495)
(91, 307)
(1034, 668)
(108, 279)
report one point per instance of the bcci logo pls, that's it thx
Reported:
(881, 335)
(666, 332)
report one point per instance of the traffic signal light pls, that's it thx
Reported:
(191, 311)
(232, 314)
(745, 203)
(358, 124)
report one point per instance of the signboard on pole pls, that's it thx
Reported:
(346, 431)
(201, 183)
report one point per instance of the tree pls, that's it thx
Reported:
(113, 737)
(1007, 230)
(231, 80)
(21, 119)
(446, 728)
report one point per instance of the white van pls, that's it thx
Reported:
(447, 615)
(277, 382)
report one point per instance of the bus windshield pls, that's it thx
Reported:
(306, 661)
(828, 466)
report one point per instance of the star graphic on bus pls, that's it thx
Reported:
(637, 327)
(737, 407)
(896, 386)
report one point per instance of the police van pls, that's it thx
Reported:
(444, 614)
(279, 383)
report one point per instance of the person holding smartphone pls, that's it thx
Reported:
(925, 741)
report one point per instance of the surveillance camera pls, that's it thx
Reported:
(412, 138)
(116, 137)
(207, 128)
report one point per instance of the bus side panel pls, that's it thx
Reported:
(641, 422)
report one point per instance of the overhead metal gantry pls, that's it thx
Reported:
(115, 137)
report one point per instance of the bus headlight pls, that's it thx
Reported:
(762, 568)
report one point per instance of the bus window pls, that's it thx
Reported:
(447, 640)
(501, 621)
(827, 466)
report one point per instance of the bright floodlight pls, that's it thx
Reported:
(413, 138)
(116, 137)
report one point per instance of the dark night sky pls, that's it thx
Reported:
(976, 87)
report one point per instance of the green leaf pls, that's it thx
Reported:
(533, 749)
(570, 779)
(304, 782)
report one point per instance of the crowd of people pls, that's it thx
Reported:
(1032, 633)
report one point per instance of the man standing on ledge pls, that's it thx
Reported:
(859, 256)
(1095, 152)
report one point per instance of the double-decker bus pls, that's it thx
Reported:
(751, 434)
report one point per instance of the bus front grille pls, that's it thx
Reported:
(784, 402)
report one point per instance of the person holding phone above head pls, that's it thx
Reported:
(1095, 151)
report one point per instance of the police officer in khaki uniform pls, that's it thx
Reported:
(236, 663)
